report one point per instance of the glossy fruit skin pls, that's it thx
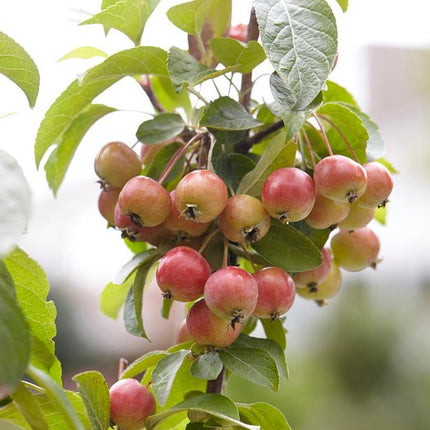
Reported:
(354, 251)
(182, 334)
(201, 196)
(379, 186)
(327, 213)
(206, 328)
(288, 194)
(276, 292)
(116, 163)
(358, 217)
(107, 201)
(182, 274)
(325, 289)
(244, 219)
(130, 404)
(153, 235)
(313, 277)
(239, 32)
(231, 293)
(145, 201)
(339, 178)
(178, 224)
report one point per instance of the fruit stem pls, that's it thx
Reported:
(324, 134)
(123, 363)
(342, 136)
(207, 239)
(248, 257)
(215, 385)
(309, 146)
(145, 83)
(225, 255)
(246, 87)
(178, 155)
(197, 94)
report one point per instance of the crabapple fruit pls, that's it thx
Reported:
(339, 178)
(206, 328)
(145, 201)
(313, 277)
(358, 217)
(244, 219)
(182, 334)
(107, 201)
(325, 289)
(238, 32)
(201, 196)
(178, 224)
(276, 292)
(116, 163)
(327, 213)
(288, 194)
(182, 274)
(130, 404)
(231, 293)
(356, 250)
(379, 186)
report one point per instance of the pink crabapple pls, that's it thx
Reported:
(108, 198)
(313, 277)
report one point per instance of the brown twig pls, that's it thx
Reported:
(145, 83)
(245, 144)
(215, 385)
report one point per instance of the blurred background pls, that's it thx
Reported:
(363, 361)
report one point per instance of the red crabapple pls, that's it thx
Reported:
(178, 224)
(182, 274)
(205, 328)
(145, 201)
(339, 178)
(276, 292)
(231, 293)
(358, 217)
(244, 219)
(327, 213)
(130, 404)
(325, 289)
(288, 194)
(107, 201)
(313, 277)
(201, 196)
(379, 186)
(182, 334)
(238, 32)
(356, 250)
(116, 163)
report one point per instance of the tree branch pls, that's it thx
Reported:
(245, 144)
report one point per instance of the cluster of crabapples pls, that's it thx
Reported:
(341, 193)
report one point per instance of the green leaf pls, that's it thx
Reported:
(381, 215)
(287, 248)
(337, 93)
(15, 197)
(226, 114)
(268, 345)
(58, 397)
(142, 363)
(32, 288)
(241, 165)
(113, 297)
(133, 320)
(207, 366)
(29, 407)
(319, 237)
(300, 40)
(168, 97)
(275, 331)
(255, 365)
(185, 70)
(160, 161)
(231, 52)
(165, 308)
(84, 52)
(95, 394)
(343, 4)
(221, 164)
(61, 157)
(75, 99)
(164, 374)
(163, 127)
(279, 153)
(126, 16)
(350, 125)
(15, 339)
(18, 66)
(221, 408)
(264, 415)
